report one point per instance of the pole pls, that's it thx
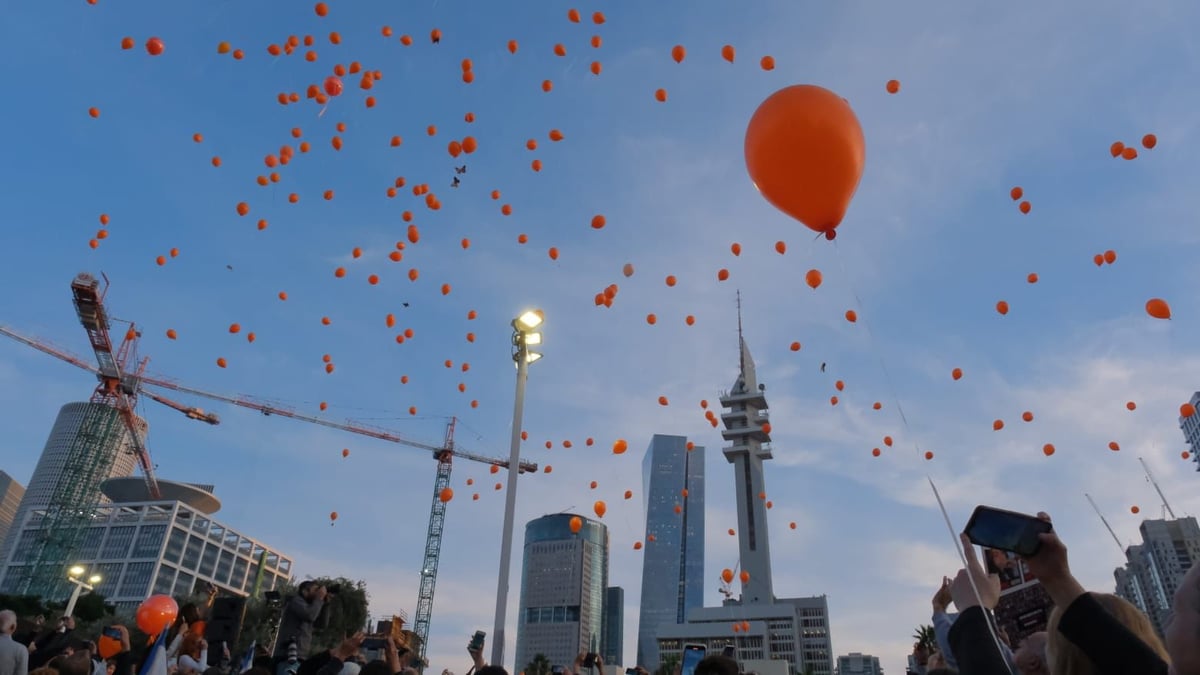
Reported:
(74, 596)
(510, 505)
(1156, 488)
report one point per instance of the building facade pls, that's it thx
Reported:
(53, 460)
(613, 641)
(11, 493)
(1191, 431)
(167, 547)
(564, 581)
(858, 664)
(673, 557)
(763, 627)
(1155, 568)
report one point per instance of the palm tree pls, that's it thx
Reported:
(540, 665)
(926, 638)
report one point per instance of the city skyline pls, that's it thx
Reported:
(932, 242)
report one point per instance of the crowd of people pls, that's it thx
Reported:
(1086, 634)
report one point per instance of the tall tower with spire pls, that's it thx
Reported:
(749, 445)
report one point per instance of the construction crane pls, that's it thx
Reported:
(122, 388)
(94, 448)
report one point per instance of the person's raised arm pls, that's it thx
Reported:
(970, 637)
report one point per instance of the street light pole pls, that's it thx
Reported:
(80, 586)
(523, 336)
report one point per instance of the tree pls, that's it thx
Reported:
(92, 607)
(668, 666)
(926, 638)
(540, 665)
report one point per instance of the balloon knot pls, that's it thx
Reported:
(830, 234)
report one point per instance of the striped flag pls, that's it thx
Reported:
(156, 663)
(248, 659)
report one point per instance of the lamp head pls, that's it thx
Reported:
(75, 571)
(533, 338)
(530, 320)
(95, 579)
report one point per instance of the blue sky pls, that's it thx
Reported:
(992, 97)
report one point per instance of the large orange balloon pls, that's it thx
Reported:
(805, 152)
(156, 613)
(576, 524)
(1158, 308)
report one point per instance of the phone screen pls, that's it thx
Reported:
(692, 655)
(113, 633)
(1005, 530)
(374, 644)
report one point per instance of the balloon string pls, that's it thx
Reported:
(908, 428)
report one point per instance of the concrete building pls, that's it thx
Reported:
(54, 457)
(761, 626)
(1191, 431)
(564, 581)
(11, 493)
(170, 545)
(673, 558)
(613, 641)
(858, 664)
(1155, 568)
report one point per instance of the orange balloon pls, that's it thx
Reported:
(600, 508)
(727, 575)
(893, 86)
(745, 576)
(1048, 449)
(620, 446)
(576, 524)
(1187, 410)
(678, 53)
(851, 316)
(805, 153)
(728, 53)
(1148, 142)
(956, 373)
(1002, 307)
(157, 612)
(997, 425)
(1158, 308)
(1116, 149)
(446, 495)
(813, 278)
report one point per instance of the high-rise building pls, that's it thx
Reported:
(10, 500)
(117, 452)
(673, 557)
(141, 546)
(564, 580)
(760, 625)
(1191, 430)
(613, 641)
(1155, 568)
(858, 664)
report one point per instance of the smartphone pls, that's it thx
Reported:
(113, 633)
(692, 656)
(589, 661)
(476, 643)
(631, 671)
(730, 651)
(556, 670)
(1006, 530)
(374, 643)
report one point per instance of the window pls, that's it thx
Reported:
(165, 580)
(191, 554)
(217, 533)
(238, 579)
(116, 546)
(137, 579)
(224, 566)
(183, 584)
(208, 561)
(200, 524)
(90, 546)
(175, 545)
(148, 542)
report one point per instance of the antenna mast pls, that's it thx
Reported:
(1105, 521)
(741, 342)
(1158, 489)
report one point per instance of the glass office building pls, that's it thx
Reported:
(564, 581)
(673, 558)
(614, 627)
(168, 547)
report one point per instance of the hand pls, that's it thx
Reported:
(392, 654)
(349, 647)
(973, 579)
(322, 592)
(477, 657)
(1050, 567)
(579, 661)
(203, 644)
(942, 598)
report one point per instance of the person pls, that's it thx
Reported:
(1110, 646)
(189, 615)
(1030, 657)
(717, 664)
(14, 657)
(1070, 659)
(123, 662)
(193, 654)
(298, 617)
(944, 619)
(1182, 632)
(51, 644)
(33, 628)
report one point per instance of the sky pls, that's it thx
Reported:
(991, 97)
